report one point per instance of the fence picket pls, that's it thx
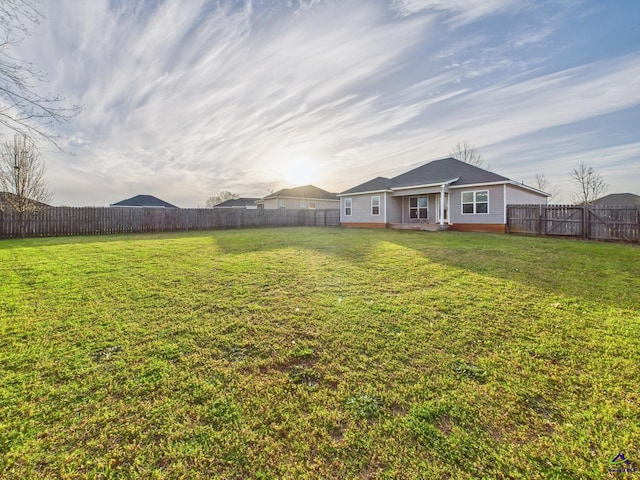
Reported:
(60, 221)
(608, 222)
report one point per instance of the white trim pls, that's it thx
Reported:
(462, 203)
(379, 205)
(417, 207)
(385, 207)
(448, 183)
(504, 204)
(509, 182)
(344, 210)
(527, 187)
(441, 209)
(428, 185)
(362, 193)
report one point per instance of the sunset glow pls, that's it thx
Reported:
(300, 171)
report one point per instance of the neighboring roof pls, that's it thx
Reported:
(143, 201)
(306, 192)
(375, 185)
(237, 202)
(618, 199)
(8, 198)
(446, 171)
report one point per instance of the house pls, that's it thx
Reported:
(618, 199)
(442, 194)
(245, 203)
(143, 201)
(300, 198)
(11, 200)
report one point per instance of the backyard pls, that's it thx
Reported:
(319, 353)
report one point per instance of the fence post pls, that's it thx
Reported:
(586, 219)
(540, 210)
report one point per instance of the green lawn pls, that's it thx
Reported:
(318, 353)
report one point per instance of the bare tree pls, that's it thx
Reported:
(466, 152)
(589, 184)
(221, 197)
(22, 108)
(541, 182)
(22, 178)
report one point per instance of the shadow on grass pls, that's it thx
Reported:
(603, 272)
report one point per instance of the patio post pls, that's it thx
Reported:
(442, 205)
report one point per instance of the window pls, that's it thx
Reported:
(418, 207)
(282, 203)
(375, 205)
(347, 207)
(312, 205)
(475, 202)
(303, 204)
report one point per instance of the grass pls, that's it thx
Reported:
(318, 353)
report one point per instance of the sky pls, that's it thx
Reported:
(185, 98)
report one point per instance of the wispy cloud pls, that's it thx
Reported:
(460, 12)
(223, 95)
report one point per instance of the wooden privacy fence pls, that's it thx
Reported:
(60, 221)
(596, 222)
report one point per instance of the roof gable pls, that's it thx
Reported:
(8, 198)
(375, 185)
(305, 192)
(238, 202)
(143, 201)
(618, 199)
(445, 171)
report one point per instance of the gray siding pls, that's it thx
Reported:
(394, 209)
(361, 209)
(520, 196)
(496, 206)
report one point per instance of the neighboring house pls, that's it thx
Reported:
(246, 203)
(143, 201)
(443, 194)
(7, 200)
(307, 197)
(618, 199)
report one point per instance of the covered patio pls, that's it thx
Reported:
(423, 208)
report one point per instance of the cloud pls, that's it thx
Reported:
(460, 12)
(555, 99)
(223, 95)
(221, 91)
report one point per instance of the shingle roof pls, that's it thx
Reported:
(238, 202)
(445, 170)
(437, 171)
(375, 185)
(618, 199)
(8, 198)
(308, 191)
(143, 201)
